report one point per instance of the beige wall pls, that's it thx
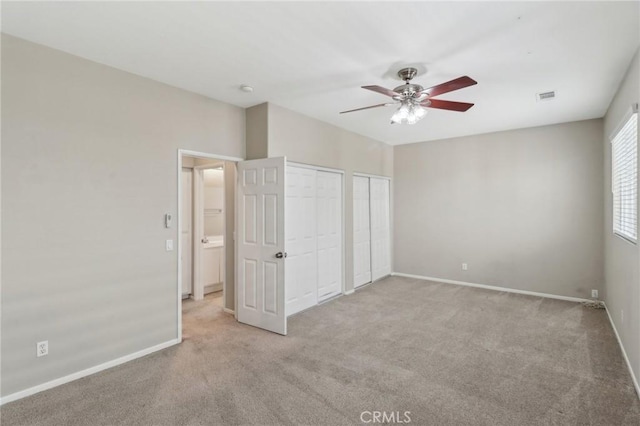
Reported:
(306, 140)
(522, 208)
(621, 257)
(257, 131)
(84, 263)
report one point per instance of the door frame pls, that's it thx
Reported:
(198, 227)
(343, 219)
(180, 228)
(205, 155)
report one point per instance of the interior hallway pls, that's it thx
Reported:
(198, 317)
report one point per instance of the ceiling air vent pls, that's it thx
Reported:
(546, 96)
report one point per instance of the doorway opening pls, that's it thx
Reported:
(206, 239)
(251, 266)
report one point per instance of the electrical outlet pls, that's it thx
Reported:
(42, 348)
(465, 266)
(594, 294)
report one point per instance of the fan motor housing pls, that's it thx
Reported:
(408, 90)
(407, 73)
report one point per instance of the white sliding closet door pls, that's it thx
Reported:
(380, 228)
(361, 232)
(329, 232)
(301, 244)
(313, 237)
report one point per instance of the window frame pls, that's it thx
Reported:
(632, 113)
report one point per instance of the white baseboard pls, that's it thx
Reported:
(212, 288)
(330, 298)
(348, 292)
(624, 353)
(229, 311)
(89, 371)
(492, 287)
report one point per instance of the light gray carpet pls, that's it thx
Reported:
(449, 355)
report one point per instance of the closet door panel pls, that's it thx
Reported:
(380, 228)
(361, 232)
(300, 235)
(329, 234)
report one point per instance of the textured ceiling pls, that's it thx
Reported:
(312, 57)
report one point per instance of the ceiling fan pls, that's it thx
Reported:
(413, 98)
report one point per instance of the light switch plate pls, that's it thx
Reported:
(169, 245)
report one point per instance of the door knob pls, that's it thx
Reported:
(280, 255)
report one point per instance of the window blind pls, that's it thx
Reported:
(624, 179)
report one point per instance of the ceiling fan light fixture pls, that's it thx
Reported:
(404, 111)
(413, 98)
(400, 115)
(409, 113)
(420, 112)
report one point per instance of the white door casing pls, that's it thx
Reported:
(329, 231)
(187, 231)
(380, 228)
(300, 231)
(198, 232)
(361, 232)
(260, 274)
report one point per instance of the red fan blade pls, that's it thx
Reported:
(368, 107)
(450, 105)
(382, 90)
(450, 86)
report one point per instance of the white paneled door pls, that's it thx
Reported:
(329, 232)
(361, 232)
(300, 232)
(261, 244)
(380, 228)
